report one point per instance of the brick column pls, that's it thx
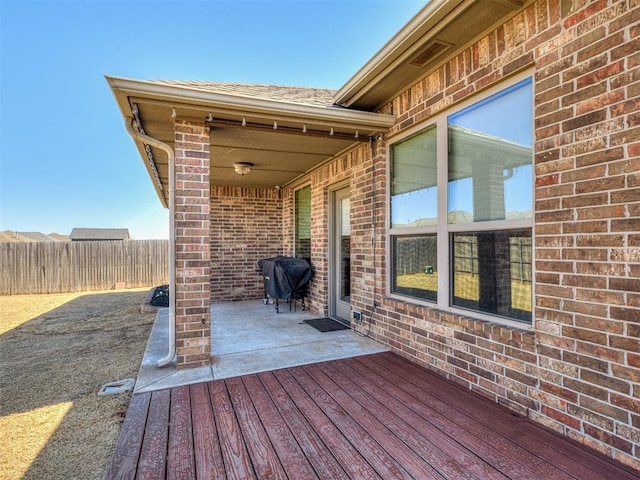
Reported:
(193, 265)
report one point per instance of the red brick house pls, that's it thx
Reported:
(473, 191)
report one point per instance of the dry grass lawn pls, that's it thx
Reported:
(56, 352)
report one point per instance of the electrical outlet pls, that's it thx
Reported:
(357, 316)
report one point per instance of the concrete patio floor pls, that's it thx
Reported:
(250, 337)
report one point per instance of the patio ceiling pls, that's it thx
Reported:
(283, 136)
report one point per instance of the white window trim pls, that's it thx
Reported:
(443, 229)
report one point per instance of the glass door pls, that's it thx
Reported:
(340, 256)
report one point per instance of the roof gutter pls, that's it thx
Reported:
(146, 139)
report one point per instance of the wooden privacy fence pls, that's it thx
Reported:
(51, 267)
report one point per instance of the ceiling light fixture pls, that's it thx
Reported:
(173, 113)
(244, 122)
(242, 168)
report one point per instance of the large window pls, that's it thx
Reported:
(461, 207)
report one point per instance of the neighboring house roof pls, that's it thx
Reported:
(37, 236)
(59, 238)
(13, 236)
(98, 234)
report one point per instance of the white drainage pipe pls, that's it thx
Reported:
(172, 240)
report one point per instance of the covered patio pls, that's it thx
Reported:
(251, 337)
(373, 416)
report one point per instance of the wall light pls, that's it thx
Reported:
(242, 167)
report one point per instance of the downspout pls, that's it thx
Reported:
(128, 121)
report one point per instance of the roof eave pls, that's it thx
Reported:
(243, 105)
(426, 27)
(390, 51)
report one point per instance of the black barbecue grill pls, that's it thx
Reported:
(285, 278)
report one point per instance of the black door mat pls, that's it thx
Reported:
(326, 324)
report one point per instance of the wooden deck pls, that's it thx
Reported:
(377, 416)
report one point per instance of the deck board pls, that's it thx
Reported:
(378, 423)
(296, 464)
(371, 417)
(153, 454)
(451, 414)
(572, 458)
(265, 459)
(355, 433)
(124, 462)
(319, 455)
(180, 450)
(343, 450)
(206, 443)
(445, 453)
(237, 462)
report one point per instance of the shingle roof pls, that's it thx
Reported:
(99, 234)
(37, 236)
(304, 95)
(13, 236)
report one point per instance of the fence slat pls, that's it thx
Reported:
(53, 267)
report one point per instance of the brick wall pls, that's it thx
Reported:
(322, 181)
(578, 372)
(247, 226)
(193, 339)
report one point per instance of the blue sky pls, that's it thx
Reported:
(65, 158)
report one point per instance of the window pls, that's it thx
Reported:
(303, 223)
(414, 266)
(491, 272)
(414, 209)
(490, 154)
(413, 190)
(462, 189)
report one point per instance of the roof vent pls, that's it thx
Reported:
(429, 53)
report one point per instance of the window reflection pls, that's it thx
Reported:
(413, 191)
(490, 154)
(303, 223)
(414, 266)
(491, 272)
